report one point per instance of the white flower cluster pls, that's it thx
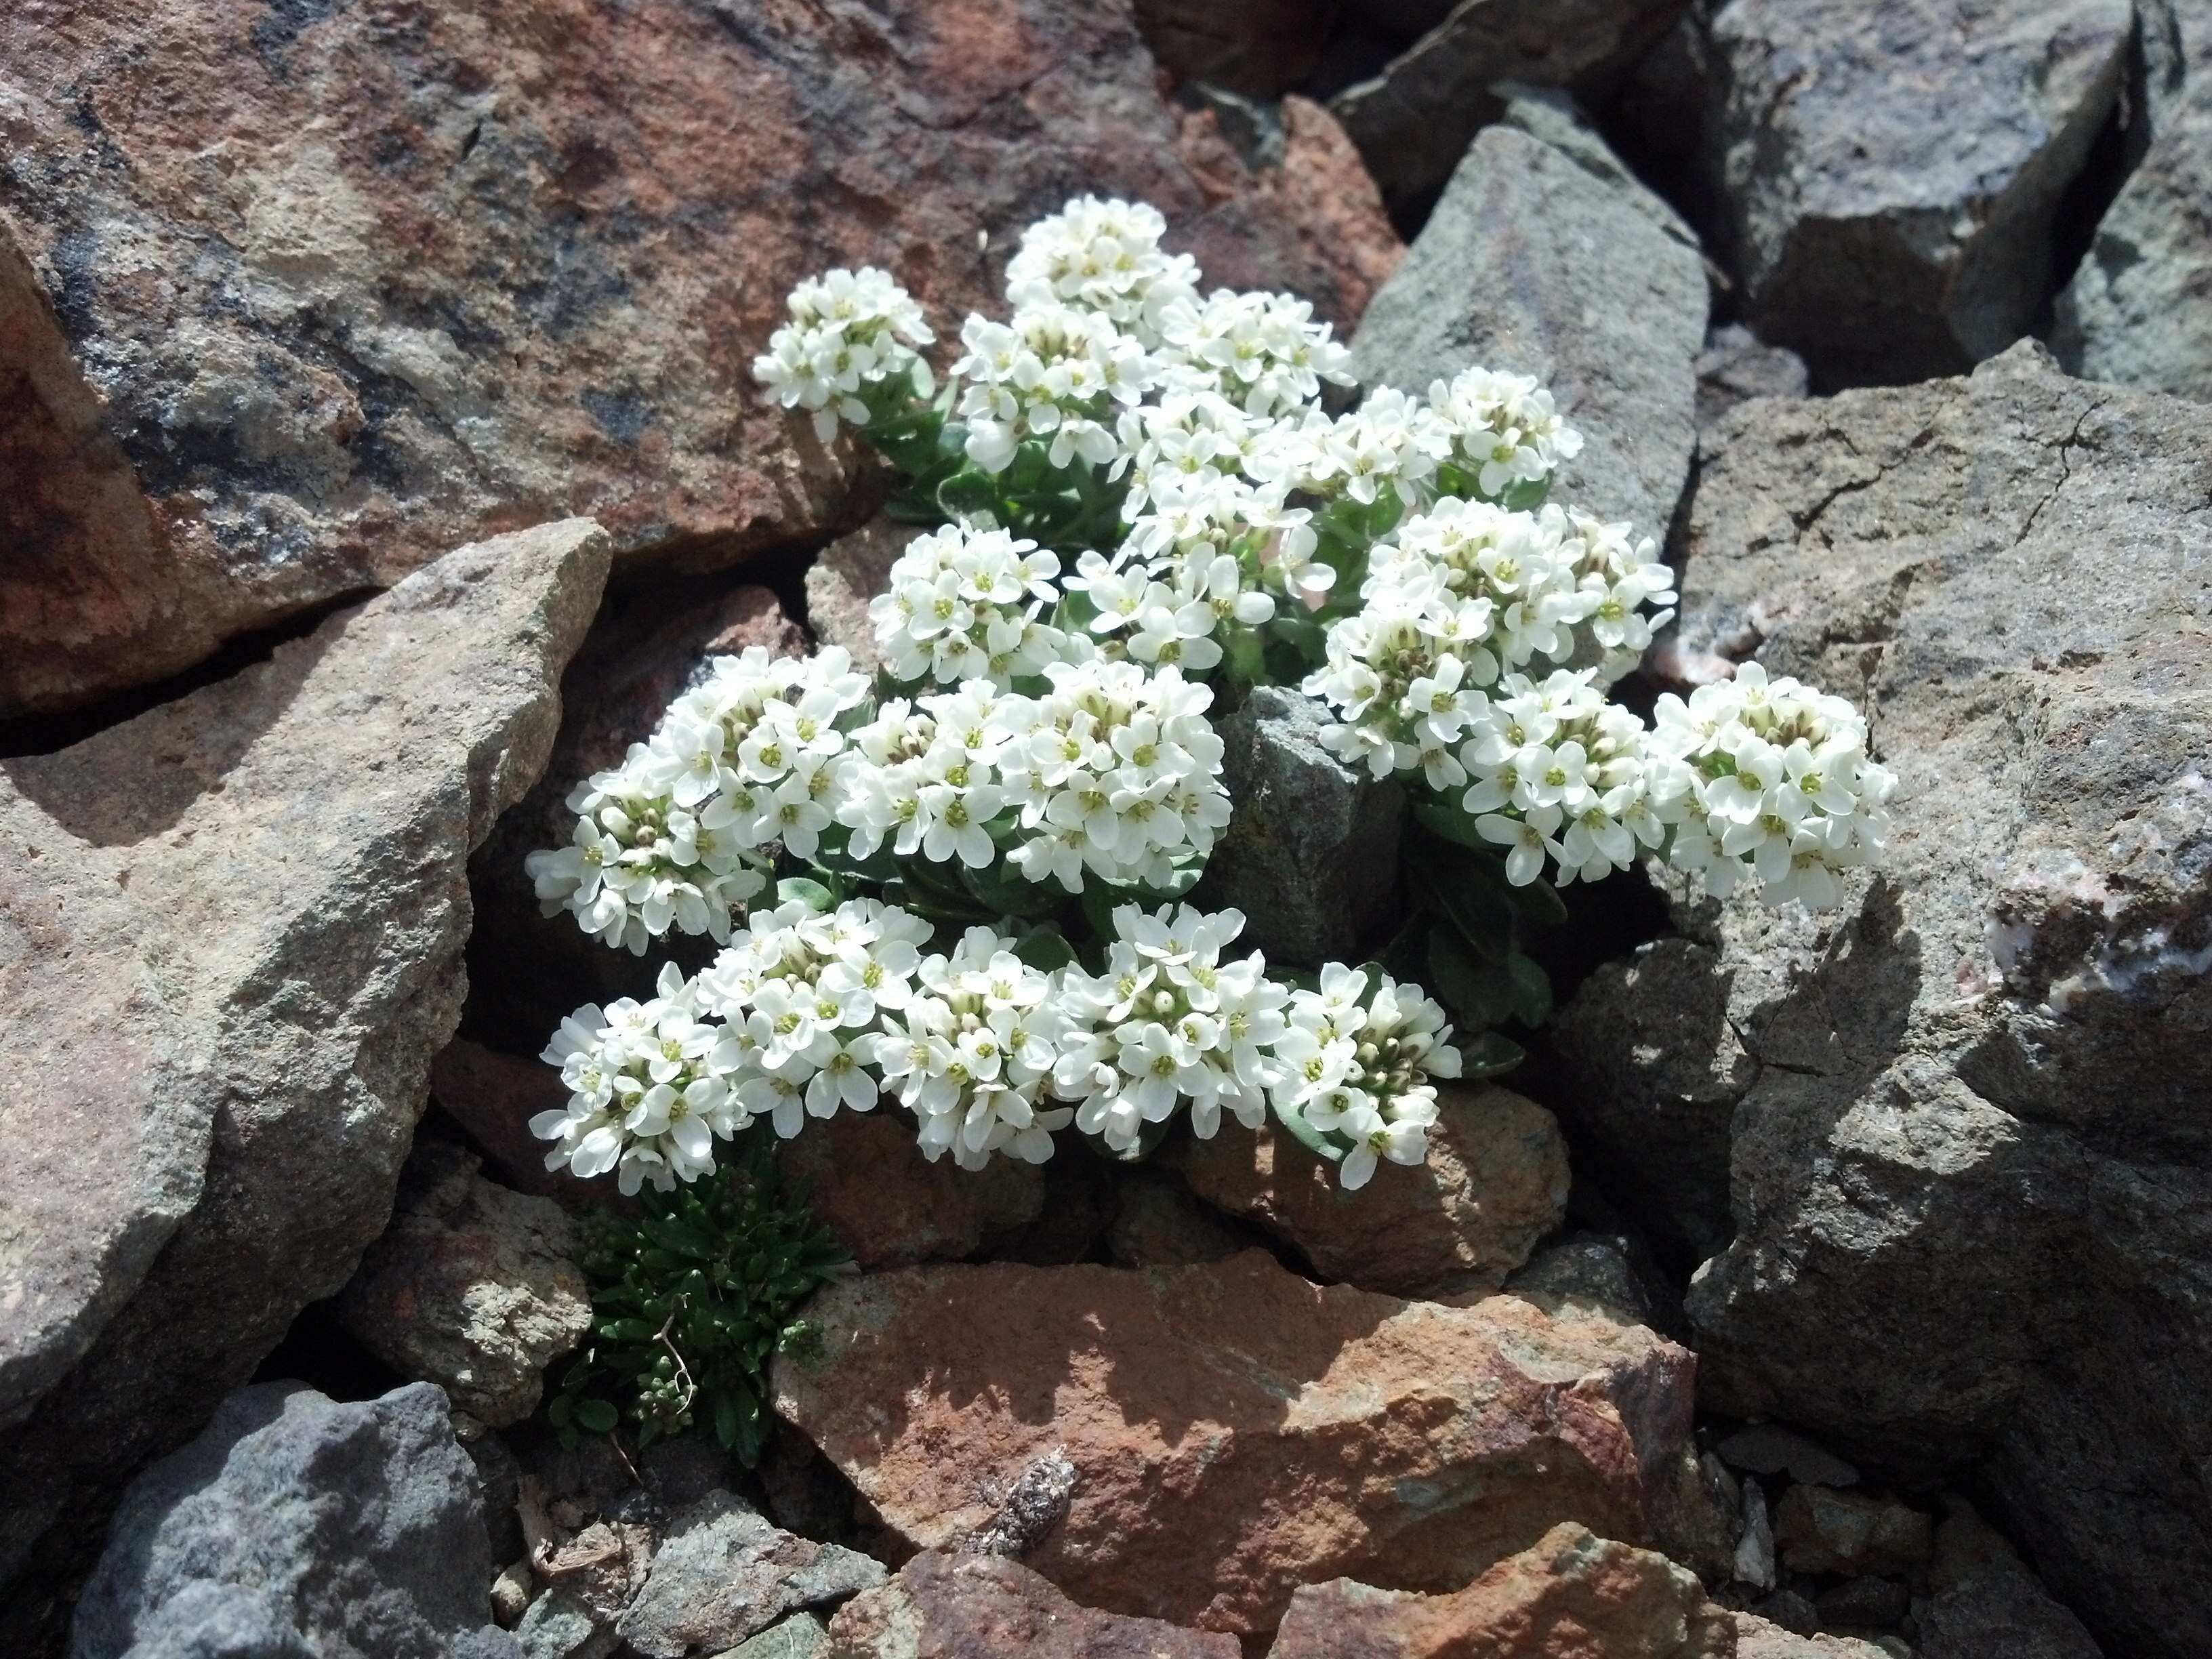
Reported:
(1773, 776)
(962, 603)
(1103, 256)
(649, 1086)
(1552, 769)
(1053, 373)
(851, 333)
(805, 1012)
(1110, 771)
(1262, 352)
(1461, 593)
(1169, 1022)
(680, 831)
(1360, 1067)
(1499, 429)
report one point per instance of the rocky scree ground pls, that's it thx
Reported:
(1812, 1292)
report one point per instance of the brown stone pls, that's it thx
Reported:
(1755, 1638)
(971, 1607)
(867, 1181)
(1820, 1529)
(1157, 1224)
(848, 574)
(1237, 1431)
(336, 287)
(1495, 1182)
(1571, 1596)
(1260, 47)
(493, 1095)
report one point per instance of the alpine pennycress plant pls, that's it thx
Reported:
(966, 873)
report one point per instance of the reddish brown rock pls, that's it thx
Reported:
(493, 1095)
(345, 286)
(1495, 1182)
(867, 1181)
(980, 1607)
(1260, 47)
(1237, 1431)
(1572, 1596)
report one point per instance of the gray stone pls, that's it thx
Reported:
(1494, 1182)
(1736, 366)
(1159, 1224)
(1892, 171)
(1986, 1604)
(1791, 1611)
(802, 1636)
(1754, 1544)
(1821, 1529)
(472, 1287)
(1310, 855)
(848, 574)
(2139, 309)
(1536, 261)
(724, 1573)
(1588, 1274)
(1865, 1603)
(1972, 1206)
(297, 1526)
(230, 942)
(1758, 1638)
(1770, 1448)
(1414, 121)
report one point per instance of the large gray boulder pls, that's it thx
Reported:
(2139, 310)
(1972, 1168)
(1545, 257)
(230, 942)
(298, 1526)
(1890, 171)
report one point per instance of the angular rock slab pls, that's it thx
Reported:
(295, 1525)
(725, 1574)
(1571, 1595)
(866, 1181)
(1236, 1431)
(1972, 1170)
(1494, 1182)
(1891, 172)
(1548, 259)
(230, 942)
(472, 1287)
(345, 288)
(2139, 310)
(981, 1607)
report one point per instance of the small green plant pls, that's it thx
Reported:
(691, 1299)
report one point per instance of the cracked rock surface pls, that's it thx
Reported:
(1966, 1143)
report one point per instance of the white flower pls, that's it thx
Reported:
(848, 341)
(964, 603)
(1359, 1062)
(1262, 352)
(1052, 374)
(1103, 257)
(1169, 1022)
(1499, 431)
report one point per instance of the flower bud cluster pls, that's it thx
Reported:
(1359, 1059)
(1169, 1022)
(850, 341)
(962, 603)
(680, 832)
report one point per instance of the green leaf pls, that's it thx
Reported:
(674, 1236)
(1478, 992)
(1526, 496)
(1489, 1054)
(1532, 989)
(597, 1415)
(1314, 1141)
(1046, 949)
(1452, 825)
(1481, 915)
(726, 1420)
(1539, 903)
(812, 894)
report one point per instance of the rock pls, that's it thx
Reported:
(724, 1573)
(1770, 1448)
(510, 1593)
(1791, 1612)
(1652, 1071)
(1415, 120)
(493, 1096)
(1033, 1506)
(1755, 1638)
(1159, 1225)
(1970, 1131)
(472, 1287)
(1735, 367)
(1987, 1605)
(1589, 1275)
(1535, 263)
(1495, 1182)
(1571, 1596)
(361, 295)
(230, 942)
(1886, 232)
(1334, 207)
(531, 970)
(298, 1526)
(802, 1636)
(2139, 309)
(1864, 1604)
(1754, 1562)
(844, 576)
(1262, 47)
(971, 1607)
(1310, 856)
(1191, 1400)
(867, 1181)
